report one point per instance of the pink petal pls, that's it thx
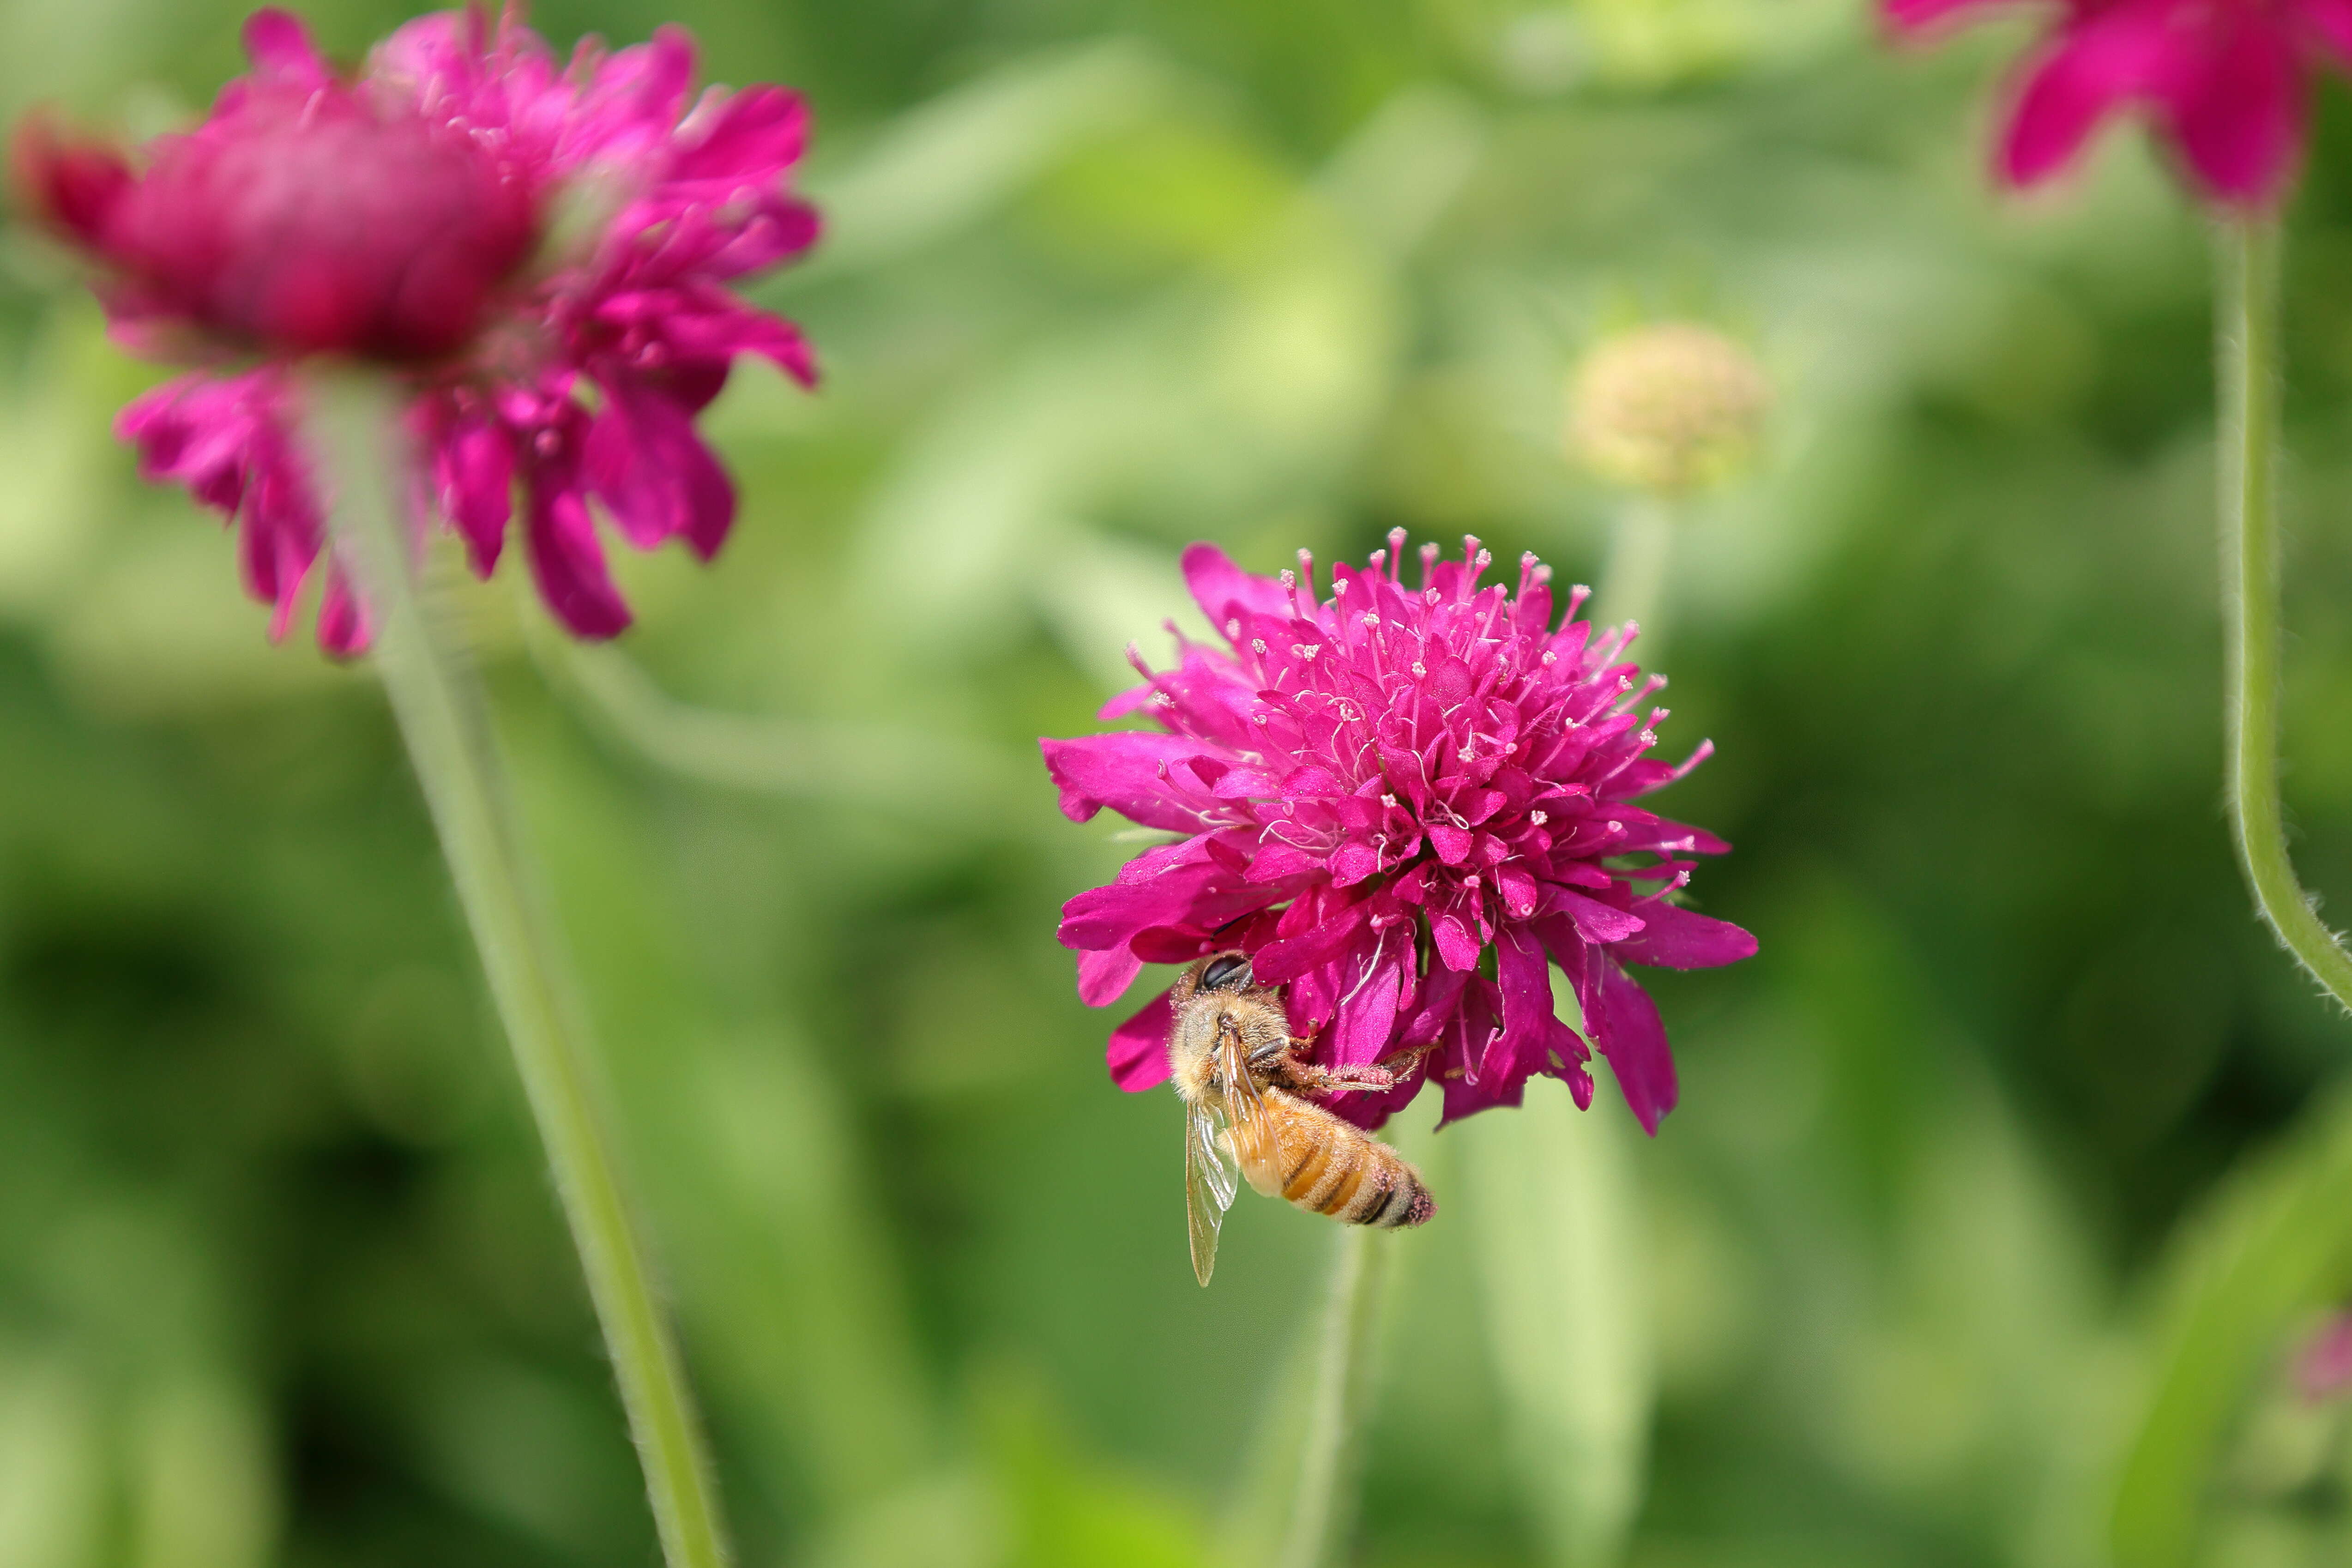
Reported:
(474, 466)
(2236, 105)
(1364, 1027)
(701, 329)
(280, 49)
(1910, 15)
(1105, 974)
(1629, 1034)
(1127, 771)
(275, 560)
(1218, 584)
(1533, 1039)
(650, 468)
(1326, 944)
(1468, 1036)
(660, 73)
(1673, 938)
(198, 431)
(1594, 920)
(781, 227)
(1456, 942)
(1181, 885)
(281, 539)
(76, 187)
(2324, 1369)
(568, 559)
(2332, 21)
(343, 628)
(2094, 67)
(1137, 1053)
(744, 139)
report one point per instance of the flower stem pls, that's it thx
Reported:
(350, 420)
(884, 766)
(1634, 582)
(2246, 352)
(1322, 1510)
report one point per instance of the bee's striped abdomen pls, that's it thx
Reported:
(1333, 1167)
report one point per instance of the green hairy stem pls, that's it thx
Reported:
(2246, 356)
(444, 721)
(1323, 1511)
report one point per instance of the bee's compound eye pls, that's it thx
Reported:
(1230, 972)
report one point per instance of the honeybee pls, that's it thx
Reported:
(1243, 1084)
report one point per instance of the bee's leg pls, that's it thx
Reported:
(1380, 1075)
(1399, 1063)
(1317, 1079)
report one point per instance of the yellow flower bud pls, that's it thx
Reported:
(1670, 408)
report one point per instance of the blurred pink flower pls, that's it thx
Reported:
(2226, 82)
(542, 254)
(2324, 1367)
(1401, 803)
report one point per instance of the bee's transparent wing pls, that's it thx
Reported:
(1249, 1131)
(1208, 1188)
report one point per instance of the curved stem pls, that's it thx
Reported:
(901, 769)
(1323, 1509)
(445, 724)
(2246, 348)
(1632, 585)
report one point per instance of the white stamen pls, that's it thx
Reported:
(1257, 644)
(1539, 817)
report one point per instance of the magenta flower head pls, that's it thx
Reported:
(1404, 804)
(2226, 81)
(540, 253)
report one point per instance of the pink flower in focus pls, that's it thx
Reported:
(1404, 804)
(541, 252)
(2226, 80)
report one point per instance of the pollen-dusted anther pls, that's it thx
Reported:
(1669, 408)
(1381, 855)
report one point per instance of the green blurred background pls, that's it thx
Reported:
(2017, 1119)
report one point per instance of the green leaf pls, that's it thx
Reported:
(2274, 1246)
